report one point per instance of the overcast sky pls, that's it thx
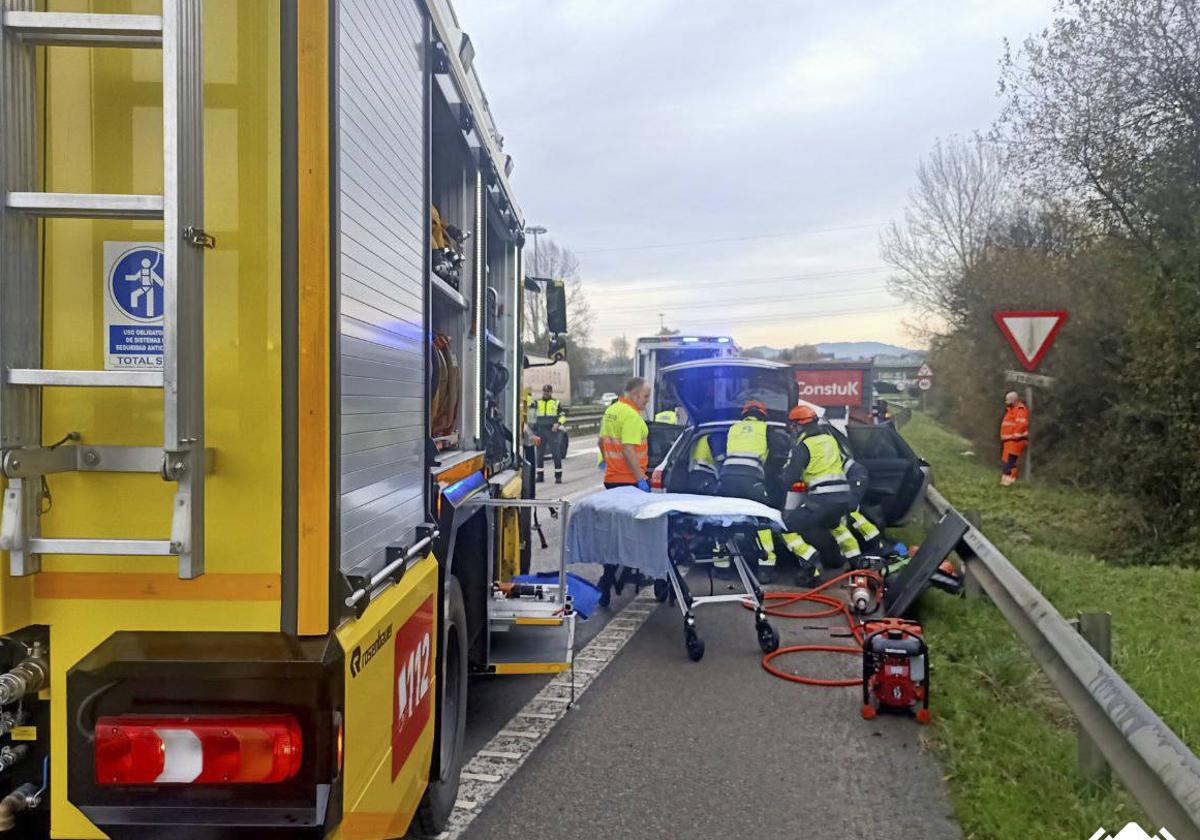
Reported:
(643, 131)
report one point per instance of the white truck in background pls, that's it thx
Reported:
(541, 373)
(654, 353)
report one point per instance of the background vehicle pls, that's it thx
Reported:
(542, 372)
(713, 392)
(652, 354)
(260, 525)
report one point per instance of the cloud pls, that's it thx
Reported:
(663, 121)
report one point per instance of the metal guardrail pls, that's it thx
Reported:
(1157, 768)
(585, 418)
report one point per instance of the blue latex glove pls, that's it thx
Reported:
(600, 465)
(644, 486)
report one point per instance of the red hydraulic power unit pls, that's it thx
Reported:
(895, 668)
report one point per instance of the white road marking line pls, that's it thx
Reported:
(520, 733)
(465, 804)
(481, 777)
(535, 725)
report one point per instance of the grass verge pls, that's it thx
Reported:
(1005, 739)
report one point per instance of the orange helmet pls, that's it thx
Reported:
(802, 414)
(754, 407)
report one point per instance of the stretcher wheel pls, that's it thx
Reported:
(662, 590)
(768, 637)
(694, 644)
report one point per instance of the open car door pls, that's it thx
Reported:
(898, 476)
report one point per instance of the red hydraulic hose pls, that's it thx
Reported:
(833, 606)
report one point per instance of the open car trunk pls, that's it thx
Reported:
(712, 390)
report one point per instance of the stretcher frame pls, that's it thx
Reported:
(751, 594)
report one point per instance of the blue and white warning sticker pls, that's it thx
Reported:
(134, 279)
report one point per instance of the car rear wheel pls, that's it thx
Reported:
(437, 804)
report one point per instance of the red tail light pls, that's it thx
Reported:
(197, 750)
(656, 480)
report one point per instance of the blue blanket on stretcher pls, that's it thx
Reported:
(629, 527)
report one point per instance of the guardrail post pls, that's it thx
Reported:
(971, 587)
(1096, 629)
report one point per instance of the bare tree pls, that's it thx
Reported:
(620, 350)
(1103, 108)
(960, 194)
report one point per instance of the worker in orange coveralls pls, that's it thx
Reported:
(1014, 436)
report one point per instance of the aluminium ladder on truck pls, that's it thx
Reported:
(25, 461)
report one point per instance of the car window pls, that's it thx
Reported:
(875, 443)
(718, 393)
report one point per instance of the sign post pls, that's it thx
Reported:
(1030, 334)
(924, 381)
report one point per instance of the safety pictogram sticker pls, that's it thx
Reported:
(134, 288)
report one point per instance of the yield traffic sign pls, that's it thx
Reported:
(1030, 333)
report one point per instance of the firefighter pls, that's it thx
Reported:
(817, 466)
(860, 480)
(548, 422)
(1014, 437)
(742, 474)
(702, 468)
(626, 456)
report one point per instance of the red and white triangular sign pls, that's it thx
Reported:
(1030, 333)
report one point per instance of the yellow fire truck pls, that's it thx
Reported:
(260, 295)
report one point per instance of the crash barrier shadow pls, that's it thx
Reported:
(1117, 728)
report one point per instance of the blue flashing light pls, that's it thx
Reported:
(461, 490)
(723, 340)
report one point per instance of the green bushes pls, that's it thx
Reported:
(1086, 197)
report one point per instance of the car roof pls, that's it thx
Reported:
(762, 364)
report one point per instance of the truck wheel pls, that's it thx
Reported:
(433, 814)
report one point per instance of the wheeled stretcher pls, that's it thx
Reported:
(661, 534)
(695, 542)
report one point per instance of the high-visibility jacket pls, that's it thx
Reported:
(550, 411)
(825, 463)
(1014, 428)
(746, 445)
(668, 416)
(622, 426)
(702, 457)
(817, 461)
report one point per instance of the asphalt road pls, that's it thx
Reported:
(494, 700)
(660, 746)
